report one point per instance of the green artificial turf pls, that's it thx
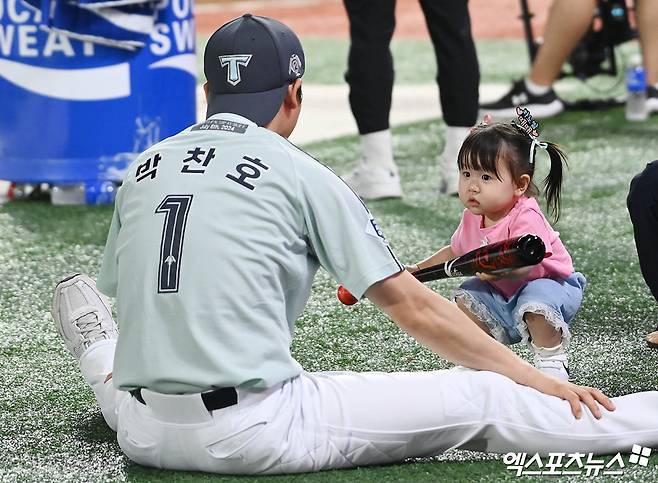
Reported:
(52, 430)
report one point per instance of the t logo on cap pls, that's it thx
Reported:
(234, 62)
(261, 57)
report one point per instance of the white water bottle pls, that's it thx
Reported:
(68, 194)
(636, 90)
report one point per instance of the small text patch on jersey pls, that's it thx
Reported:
(221, 125)
(233, 62)
(373, 229)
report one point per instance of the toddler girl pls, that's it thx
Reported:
(533, 304)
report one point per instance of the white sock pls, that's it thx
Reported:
(548, 351)
(96, 362)
(455, 136)
(377, 150)
(536, 89)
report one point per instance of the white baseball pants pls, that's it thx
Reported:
(328, 420)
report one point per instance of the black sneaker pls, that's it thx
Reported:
(546, 105)
(652, 99)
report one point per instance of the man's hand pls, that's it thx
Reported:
(575, 395)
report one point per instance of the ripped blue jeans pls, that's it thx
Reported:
(557, 300)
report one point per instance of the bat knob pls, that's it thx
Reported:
(345, 296)
(532, 248)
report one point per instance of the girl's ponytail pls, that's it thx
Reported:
(553, 181)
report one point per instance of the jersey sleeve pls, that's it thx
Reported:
(108, 275)
(530, 221)
(341, 231)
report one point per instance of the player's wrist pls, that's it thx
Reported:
(528, 375)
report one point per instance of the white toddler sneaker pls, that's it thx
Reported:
(552, 361)
(82, 314)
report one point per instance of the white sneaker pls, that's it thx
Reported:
(556, 365)
(82, 314)
(375, 182)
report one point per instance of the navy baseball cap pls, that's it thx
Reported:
(249, 63)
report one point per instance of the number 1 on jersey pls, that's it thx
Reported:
(175, 208)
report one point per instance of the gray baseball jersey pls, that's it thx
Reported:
(216, 236)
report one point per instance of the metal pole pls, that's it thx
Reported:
(525, 17)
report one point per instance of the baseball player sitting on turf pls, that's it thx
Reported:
(216, 236)
(532, 304)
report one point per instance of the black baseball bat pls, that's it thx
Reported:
(517, 252)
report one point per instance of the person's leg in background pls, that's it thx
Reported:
(647, 25)
(642, 202)
(567, 23)
(458, 76)
(370, 76)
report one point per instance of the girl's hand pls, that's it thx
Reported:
(412, 268)
(489, 277)
(515, 274)
(575, 395)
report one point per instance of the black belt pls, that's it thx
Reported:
(215, 399)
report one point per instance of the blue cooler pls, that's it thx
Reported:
(79, 100)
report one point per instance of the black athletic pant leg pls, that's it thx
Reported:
(370, 71)
(458, 75)
(642, 202)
